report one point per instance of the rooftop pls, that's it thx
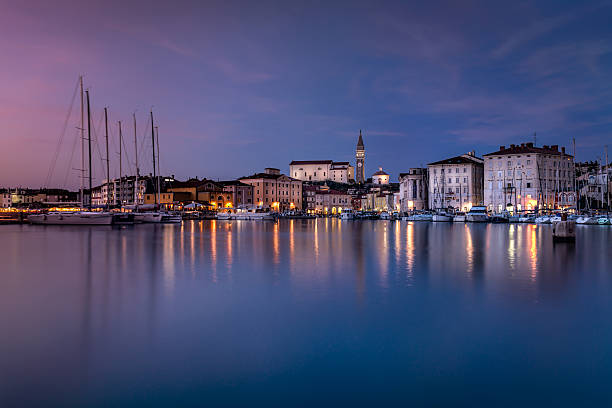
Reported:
(529, 148)
(299, 162)
(463, 159)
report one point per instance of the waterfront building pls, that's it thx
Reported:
(324, 200)
(206, 192)
(242, 193)
(274, 190)
(526, 177)
(360, 160)
(5, 198)
(120, 191)
(593, 184)
(322, 170)
(380, 177)
(456, 182)
(413, 190)
(21, 197)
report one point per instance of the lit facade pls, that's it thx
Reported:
(413, 190)
(380, 177)
(525, 177)
(321, 170)
(274, 190)
(456, 182)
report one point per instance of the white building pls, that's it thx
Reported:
(413, 190)
(380, 177)
(456, 182)
(525, 177)
(322, 170)
(120, 191)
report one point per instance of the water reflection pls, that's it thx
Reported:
(167, 293)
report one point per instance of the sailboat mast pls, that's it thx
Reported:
(158, 170)
(89, 146)
(607, 182)
(576, 190)
(82, 143)
(120, 168)
(153, 145)
(137, 170)
(107, 158)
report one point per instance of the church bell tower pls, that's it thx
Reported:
(360, 161)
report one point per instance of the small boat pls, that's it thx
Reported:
(224, 216)
(542, 219)
(385, 215)
(477, 213)
(347, 214)
(72, 218)
(123, 218)
(147, 217)
(459, 217)
(442, 216)
(555, 218)
(499, 219)
(171, 218)
(527, 218)
(603, 220)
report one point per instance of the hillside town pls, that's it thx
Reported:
(516, 178)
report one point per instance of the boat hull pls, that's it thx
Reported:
(83, 218)
(147, 217)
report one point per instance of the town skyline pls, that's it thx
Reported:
(420, 85)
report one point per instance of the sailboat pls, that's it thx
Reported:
(80, 217)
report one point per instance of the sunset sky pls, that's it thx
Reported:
(239, 86)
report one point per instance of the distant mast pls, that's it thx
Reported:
(158, 169)
(120, 169)
(107, 159)
(82, 129)
(137, 170)
(153, 145)
(89, 145)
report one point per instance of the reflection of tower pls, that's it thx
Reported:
(360, 158)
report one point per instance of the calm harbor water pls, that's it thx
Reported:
(304, 313)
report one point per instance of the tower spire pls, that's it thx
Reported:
(360, 160)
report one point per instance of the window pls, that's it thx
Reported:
(465, 169)
(509, 163)
(457, 190)
(456, 169)
(528, 185)
(450, 180)
(457, 180)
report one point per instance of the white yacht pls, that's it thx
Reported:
(224, 216)
(385, 215)
(543, 219)
(442, 216)
(477, 213)
(72, 218)
(347, 214)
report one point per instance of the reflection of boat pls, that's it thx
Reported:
(347, 214)
(442, 216)
(72, 218)
(477, 214)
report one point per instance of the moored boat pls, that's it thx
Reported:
(72, 218)
(477, 213)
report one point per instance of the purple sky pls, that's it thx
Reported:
(239, 86)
